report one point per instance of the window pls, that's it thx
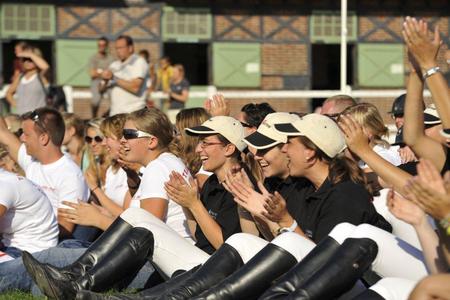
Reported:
(186, 25)
(27, 21)
(326, 27)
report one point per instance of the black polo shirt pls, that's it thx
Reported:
(221, 207)
(290, 188)
(320, 210)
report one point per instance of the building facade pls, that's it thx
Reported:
(256, 44)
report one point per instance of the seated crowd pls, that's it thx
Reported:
(267, 205)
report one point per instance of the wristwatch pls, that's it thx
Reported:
(288, 229)
(430, 72)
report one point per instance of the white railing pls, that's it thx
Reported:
(72, 94)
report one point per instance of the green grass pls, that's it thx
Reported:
(19, 296)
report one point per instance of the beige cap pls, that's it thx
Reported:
(431, 116)
(319, 129)
(267, 136)
(228, 127)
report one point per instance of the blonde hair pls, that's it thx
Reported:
(368, 116)
(187, 118)
(99, 164)
(155, 122)
(71, 120)
(113, 127)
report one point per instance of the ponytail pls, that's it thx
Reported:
(340, 167)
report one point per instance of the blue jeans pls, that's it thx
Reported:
(13, 275)
(12, 251)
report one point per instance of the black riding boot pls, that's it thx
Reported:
(151, 293)
(222, 263)
(250, 281)
(101, 247)
(115, 270)
(341, 271)
(312, 262)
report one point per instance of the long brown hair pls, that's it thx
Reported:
(340, 167)
(187, 118)
(155, 122)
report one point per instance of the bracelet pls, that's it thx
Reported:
(430, 72)
(445, 223)
(288, 229)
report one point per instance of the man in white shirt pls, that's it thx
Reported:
(44, 164)
(27, 221)
(126, 78)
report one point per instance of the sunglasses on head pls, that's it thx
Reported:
(130, 134)
(97, 139)
(34, 116)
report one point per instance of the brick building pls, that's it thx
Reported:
(254, 44)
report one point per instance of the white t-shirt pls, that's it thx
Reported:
(391, 155)
(61, 180)
(116, 185)
(123, 101)
(29, 223)
(152, 186)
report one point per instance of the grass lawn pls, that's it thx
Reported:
(19, 296)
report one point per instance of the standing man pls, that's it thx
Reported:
(40, 156)
(98, 63)
(126, 78)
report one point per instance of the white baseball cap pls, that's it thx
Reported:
(228, 127)
(267, 136)
(431, 116)
(319, 129)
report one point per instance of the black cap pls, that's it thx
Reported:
(398, 106)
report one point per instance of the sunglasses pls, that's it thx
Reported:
(34, 116)
(97, 139)
(130, 134)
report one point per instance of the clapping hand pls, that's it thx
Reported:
(180, 191)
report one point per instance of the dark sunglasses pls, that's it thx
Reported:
(130, 134)
(97, 139)
(394, 116)
(24, 59)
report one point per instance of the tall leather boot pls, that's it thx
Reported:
(341, 271)
(101, 247)
(250, 281)
(222, 263)
(115, 270)
(312, 262)
(151, 293)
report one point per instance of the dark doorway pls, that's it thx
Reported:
(325, 66)
(194, 58)
(8, 57)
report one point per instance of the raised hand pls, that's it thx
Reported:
(356, 139)
(217, 105)
(424, 49)
(180, 191)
